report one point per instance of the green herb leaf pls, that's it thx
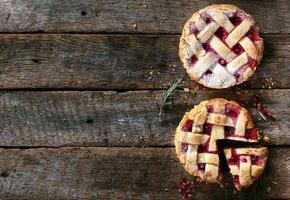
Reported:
(168, 94)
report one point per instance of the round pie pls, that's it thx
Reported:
(220, 46)
(196, 142)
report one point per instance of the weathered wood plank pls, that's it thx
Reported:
(115, 61)
(91, 118)
(121, 16)
(115, 173)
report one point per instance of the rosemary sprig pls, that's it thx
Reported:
(168, 94)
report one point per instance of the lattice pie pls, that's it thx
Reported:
(220, 46)
(196, 142)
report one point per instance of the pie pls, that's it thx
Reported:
(220, 46)
(197, 135)
(246, 164)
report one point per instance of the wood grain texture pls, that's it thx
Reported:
(120, 16)
(115, 173)
(91, 118)
(115, 62)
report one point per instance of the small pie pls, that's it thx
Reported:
(197, 134)
(220, 46)
(246, 164)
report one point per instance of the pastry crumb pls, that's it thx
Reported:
(186, 89)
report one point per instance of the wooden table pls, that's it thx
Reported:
(81, 83)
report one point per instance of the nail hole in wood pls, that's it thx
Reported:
(83, 13)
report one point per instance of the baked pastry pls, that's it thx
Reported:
(220, 46)
(246, 164)
(198, 132)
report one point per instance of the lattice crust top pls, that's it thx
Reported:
(198, 131)
(220, 46)
(246, 164)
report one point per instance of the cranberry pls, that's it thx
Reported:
(206, 18)
(193, 59)
(233, 161)
(207, 128)
(251, 133)
(236, 20)
(187, 126)
(184, 147)
(221, 33)
(208, 72)
(237, 76)
(201, 149)
(201, 166)
(206, 47)
(232, 111)
(255, 160)
(244, 160)
(193, 29)
(210, 109)
(222, 62)
(238, 49)
(186, 188)
(253, 34)
(229, 130)
(252, 63)
(236, 179)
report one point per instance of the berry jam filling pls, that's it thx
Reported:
(210, 109)
(238, 49)
(207, 128)
(235, 19)
(251, 63)
(187, 126)
(237, 76)
(206, 18)
(253, 34)
(206, 47)
(243, 160)
(229, 131)
(221, 33)
(193, 29)
(233, 160)
(232, 111)
(201, 166)
(251, 133)
(193, 59)
(236, 179)
(222, 62)
(184, 147)
(208, 72)
(202, 148)
(255, 160)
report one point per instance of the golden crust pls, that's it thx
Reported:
(195, 115)
(225, 8)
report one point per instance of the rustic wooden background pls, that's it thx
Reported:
(80, 88)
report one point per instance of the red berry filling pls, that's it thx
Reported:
(232, 111)
(202, 148)
(253, 34)
(222, 62)
(236, 179)
(184, 147)
(221, 33)
(201, 166)
(229, 131)
(255, 160)
(193, 59)
(210, 109)
(233, 160)
(235, 19)
(238, 49)
(251, 63)
(187, 126)
(207, 128)
(206, 18)
(208, 72)
(243, 160)
(193, 29)
(206, 47)
(251, 133)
